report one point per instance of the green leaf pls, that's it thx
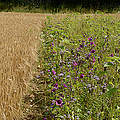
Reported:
(62, 47)
(113, 58)
(108, 64)
(111, 91)
(66, 41)
(66, 108)
(57, 66)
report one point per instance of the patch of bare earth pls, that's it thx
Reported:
(19, 37)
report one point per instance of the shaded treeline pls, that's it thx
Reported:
(60, 4)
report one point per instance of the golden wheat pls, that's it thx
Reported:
(19, 34)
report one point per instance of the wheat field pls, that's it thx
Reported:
(19, 36)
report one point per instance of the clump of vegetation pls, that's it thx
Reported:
(81, 68)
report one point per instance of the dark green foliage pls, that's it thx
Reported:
(57, 5)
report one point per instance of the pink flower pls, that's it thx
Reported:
(92, 43)
(44, 118)
(82, 75)
(75, 64)
(93, 60)
(65, 85)
(56, 85)
(89, 38)
(59, 102)
(53, 72)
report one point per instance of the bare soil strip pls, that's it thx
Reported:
(19, 36)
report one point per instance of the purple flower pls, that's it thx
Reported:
(76, 77)
(68, 76)
(38, 76)
(89, 54)
(111, 55)
(92, 51)
(88, 112)
(93, 60)
(96, 77)
(59, 102)
(92, 43)
(48, 70)
(56, 85)
(53, 72)
(61, 95)
(64, 85)
(54, 52)
(44, 118)
(81, 46)
(52, 44)
(100, 93)
(89, 38)
(89, 86)
(53, 90)
(61, 74)
(82, 75)
(75, 64)
(91, 69)
(83, 41)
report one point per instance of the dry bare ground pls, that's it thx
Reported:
(19, 34)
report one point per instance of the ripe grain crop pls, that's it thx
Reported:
(19, 34)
